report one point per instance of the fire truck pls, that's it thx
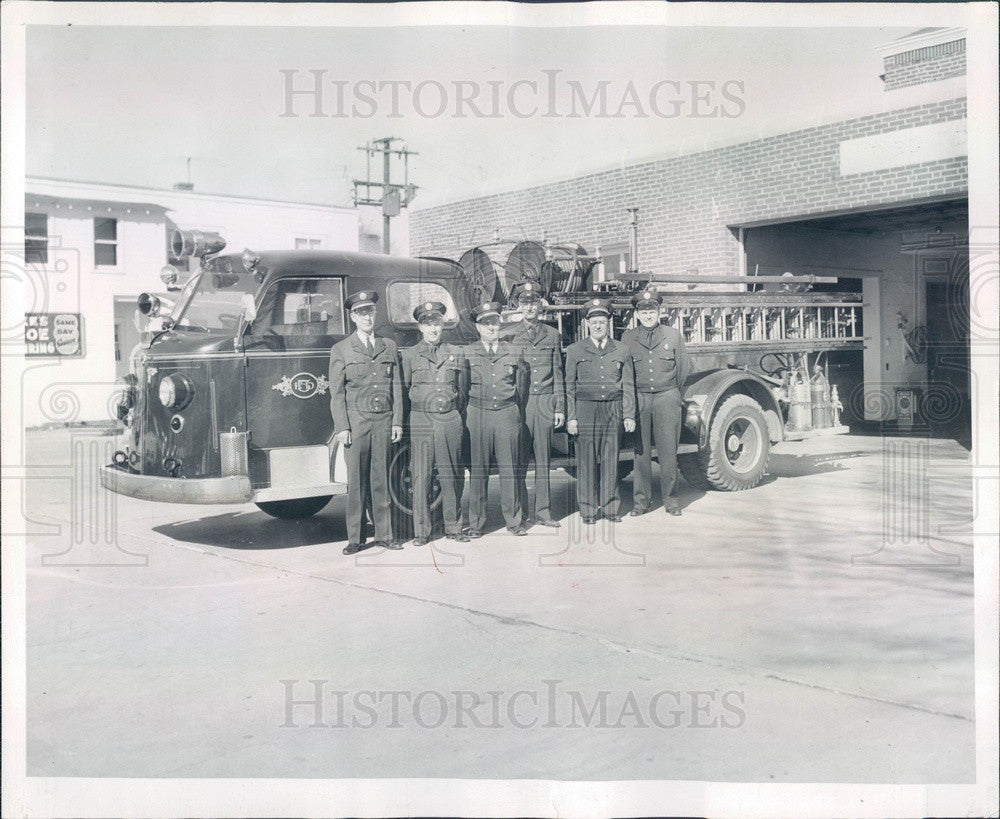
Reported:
(229, 401)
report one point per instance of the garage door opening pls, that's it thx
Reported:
(912, 265)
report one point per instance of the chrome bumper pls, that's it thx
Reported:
(234, 489)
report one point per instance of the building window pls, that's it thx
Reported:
(105, 242)
(615, 261)
(308, 244)
(36, 238)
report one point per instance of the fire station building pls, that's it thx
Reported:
(881, 198)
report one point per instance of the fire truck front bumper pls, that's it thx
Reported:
(234, 489)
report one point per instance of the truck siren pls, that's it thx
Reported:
(195, 243)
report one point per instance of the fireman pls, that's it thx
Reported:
(495, 371)
(433, 375)
(661, 367)
(544, 407)
(367, 405)
(600, 401)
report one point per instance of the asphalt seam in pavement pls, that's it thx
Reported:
(660, 656)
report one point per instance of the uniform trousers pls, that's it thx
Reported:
(536, 442)
(493, 433)
(597, 446)
(659, 420)
(436, 442)
(367, 461)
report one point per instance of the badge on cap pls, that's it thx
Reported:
(647, 295)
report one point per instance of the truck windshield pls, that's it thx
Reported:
(211, 302)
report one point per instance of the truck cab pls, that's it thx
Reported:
(230, 402)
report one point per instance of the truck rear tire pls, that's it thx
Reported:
(738, 448)
(295, 509)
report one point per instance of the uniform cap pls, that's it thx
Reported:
(597, 307)
(526, 289)
(485, 310)
(362, 298)
(647, 299)
(429, 309)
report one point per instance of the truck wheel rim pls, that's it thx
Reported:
(742, 445)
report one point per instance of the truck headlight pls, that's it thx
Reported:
(176, 391)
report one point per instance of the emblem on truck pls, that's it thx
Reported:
(302, 385)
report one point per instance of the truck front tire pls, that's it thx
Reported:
(735, 457)
(295, 509)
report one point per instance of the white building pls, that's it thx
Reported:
(92, 248)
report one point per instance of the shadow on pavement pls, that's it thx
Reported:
(236, 530)
(798, 466)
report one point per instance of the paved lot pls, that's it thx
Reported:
(817, 628)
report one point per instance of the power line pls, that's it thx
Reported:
(390, 196)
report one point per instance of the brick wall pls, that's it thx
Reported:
(928, 64)
(686, 203)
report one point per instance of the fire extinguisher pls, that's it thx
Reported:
(800, 404)
(822, 403)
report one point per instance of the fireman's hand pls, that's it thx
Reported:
(343, 437)
(572, 427)
(559, 420)
(397, 434)
(630, 424)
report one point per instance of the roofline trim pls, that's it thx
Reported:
(82, 183)
(914, 41)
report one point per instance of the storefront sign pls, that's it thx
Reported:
(58, 335)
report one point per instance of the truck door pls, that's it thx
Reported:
(287, 362)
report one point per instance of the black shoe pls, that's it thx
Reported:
(461, 537)
(354, 548)
(520, 531)
(590, 521)
(473, 534)
(420, 541)
(393, 545)
(613, 518)
(552, 524)
(639, 510)
(674, 510)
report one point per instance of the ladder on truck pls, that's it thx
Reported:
(734, 321)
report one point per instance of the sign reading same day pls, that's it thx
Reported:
(53, 334)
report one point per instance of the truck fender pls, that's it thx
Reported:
(703, 392)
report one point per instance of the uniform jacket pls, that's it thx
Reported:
(364, 382)
(599, 375)
(541, 348)
(661, 363)
(498, 380)
(435, 377)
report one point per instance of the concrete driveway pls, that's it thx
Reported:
(818, 628)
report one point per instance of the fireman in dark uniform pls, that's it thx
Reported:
(366, 400)
(600, 401)
(433, 374)
(661, 367)
(495, 371)
(544, 407)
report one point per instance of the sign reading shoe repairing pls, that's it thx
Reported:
(58, 335)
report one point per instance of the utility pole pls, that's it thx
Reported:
(390, 196)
